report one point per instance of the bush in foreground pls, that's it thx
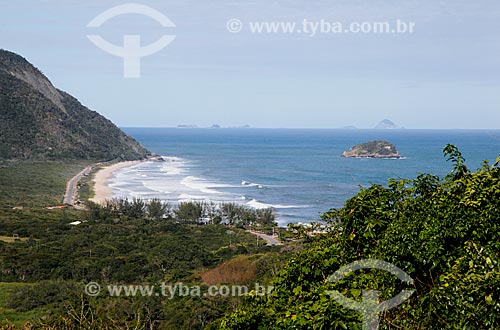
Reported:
(443, 232)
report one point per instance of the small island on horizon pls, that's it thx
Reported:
(372, 149)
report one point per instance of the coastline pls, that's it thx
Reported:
(102, 191)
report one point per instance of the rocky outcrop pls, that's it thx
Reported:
(387, 124)
(372, 149)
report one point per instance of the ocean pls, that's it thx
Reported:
(298, 172)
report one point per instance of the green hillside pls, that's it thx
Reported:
(443, 232)
(38, 121)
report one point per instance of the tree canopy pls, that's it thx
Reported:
(443, 232)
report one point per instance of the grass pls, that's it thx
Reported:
(239, 270)
(26, 189)
(35, 184)
(12, 239)
(86, 190)
(29, 187)
(10, 316)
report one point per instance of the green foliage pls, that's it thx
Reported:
(83, 313)
(34, 184)
(444, 233)
(455, 156)
(117, 252)
(121, 242)
(40, 294)
(373, 149)
(60, 259)
(156, 209)
(37, 121)
(265, 217)
(235, 214)
(189, 211)
(193, 212)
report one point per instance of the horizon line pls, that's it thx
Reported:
(314, 128)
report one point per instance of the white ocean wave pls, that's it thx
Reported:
(259, 205)
(158, 186)
(176, 181)
(199, 184)
(188, 198)
(203, 185)
(201, 198)
(173, 165)
(251, 184)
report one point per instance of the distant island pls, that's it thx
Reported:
(216, 126)
(372, 149)
(387, 124)
(383, 124)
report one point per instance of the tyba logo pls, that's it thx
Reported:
(369, 306)
(131, 51)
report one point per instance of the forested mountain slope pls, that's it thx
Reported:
(38, 121)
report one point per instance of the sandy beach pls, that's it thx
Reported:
(101, 189)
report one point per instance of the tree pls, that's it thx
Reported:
(156, 209)
(189, 211)
(444, 233)
(265, 217)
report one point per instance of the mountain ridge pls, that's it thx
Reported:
(39, 121)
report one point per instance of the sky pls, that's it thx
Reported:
(446, 74)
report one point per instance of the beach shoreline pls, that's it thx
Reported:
(102, 191)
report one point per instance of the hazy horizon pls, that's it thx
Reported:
(180, 126)
(445, 75)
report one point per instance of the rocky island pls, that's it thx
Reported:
(373, 149)
(387, 124)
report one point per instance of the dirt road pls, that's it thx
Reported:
(69, 197)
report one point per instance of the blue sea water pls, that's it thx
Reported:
(298, 172)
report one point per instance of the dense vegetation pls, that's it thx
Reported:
(37, 121)
(374, 149)
(45, 261)
(443, 232)
(193, 212)
(35, 184)
(59, 258)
